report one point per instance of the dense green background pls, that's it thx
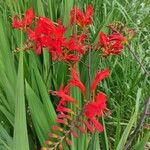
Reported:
(27, 110)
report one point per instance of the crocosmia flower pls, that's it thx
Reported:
(47, 34)
(113, 44)
(96, 108)
(25, 22)
(82, 19)
(75, 81)
(99, 76)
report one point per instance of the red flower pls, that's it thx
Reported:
(103, 39)
(25, 22)
(99, 76)
(116, 37)
(76, 15)
(111, 44)
(93, 109)
(64, 97)
(75, 81)
(96, 108)
(48, 35)
(73, 49)
(63, 94)
(76, 43)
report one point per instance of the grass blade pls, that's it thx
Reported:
(20, 141)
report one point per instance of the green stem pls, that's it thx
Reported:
(139, 62)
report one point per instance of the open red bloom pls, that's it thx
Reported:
(76, 15)
(96, 108)
(64, 97)
(25, 22)
(48, 35)
(75, 81)
(93, 109)
(76, 43)
(99, 76)
(73, 49)
(112, 44)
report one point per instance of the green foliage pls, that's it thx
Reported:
(20, 126)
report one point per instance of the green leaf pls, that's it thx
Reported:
(43, 91)
(133, 119)
(94, 142)
(20, 141)
(38, 114)
(5, 139)
(143, 142)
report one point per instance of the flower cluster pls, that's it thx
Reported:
(25, 22)
(51, 36)
(113, 44)
(44, 33)
(88, 115)
(81, 19)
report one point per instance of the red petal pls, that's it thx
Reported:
(100, 99)
(75, 81)
(116, 37)
(76, 15)
(29, 16)
(103, 39)
(64, 96)
(89, 13)
(26, 21)
(99, 76)
(16, 23)
(32, 35)
(38, 48)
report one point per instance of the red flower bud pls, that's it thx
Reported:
(68, 141)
